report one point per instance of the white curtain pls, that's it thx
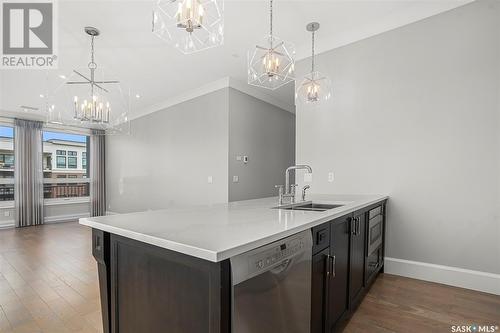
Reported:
(28, 173)
(97, 174)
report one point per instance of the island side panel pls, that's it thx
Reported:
(158, 290)
(101, 253)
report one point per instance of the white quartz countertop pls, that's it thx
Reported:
(221, 231)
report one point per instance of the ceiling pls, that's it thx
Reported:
(159, 73)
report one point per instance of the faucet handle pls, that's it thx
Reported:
(304, 189)
(280, 195)
(280, 189)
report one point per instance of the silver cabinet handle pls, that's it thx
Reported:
(334, 263)
(330, 266)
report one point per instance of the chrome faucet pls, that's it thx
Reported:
(289, 191)
(287, 175)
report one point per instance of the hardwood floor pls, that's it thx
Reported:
(399, 304)
(48, 283)
(48, 280)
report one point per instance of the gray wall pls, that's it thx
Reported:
(415, 114)
(168, 157)
(264, 133)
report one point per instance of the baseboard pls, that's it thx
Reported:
(7, 224)
(48, 220)
(64, 218)
(453, 276)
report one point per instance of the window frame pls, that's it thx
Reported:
(5, 122)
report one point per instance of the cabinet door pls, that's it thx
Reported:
(319, 291)
(339, 273)
(357, 264)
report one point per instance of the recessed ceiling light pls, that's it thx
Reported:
(137, 96)
(42, 96)
(62, 77)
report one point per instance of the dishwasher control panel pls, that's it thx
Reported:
(280, 251)
(266, 258)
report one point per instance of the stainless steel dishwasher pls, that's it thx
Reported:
(272, 287)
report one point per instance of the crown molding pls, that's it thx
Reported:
(208, 88)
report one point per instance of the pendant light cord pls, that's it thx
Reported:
(271, 18)
(312, 62)
(92, 65)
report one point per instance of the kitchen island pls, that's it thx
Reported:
(170, 270)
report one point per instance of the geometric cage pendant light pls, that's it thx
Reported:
(315, 87)
(271, 64)
(189, 25)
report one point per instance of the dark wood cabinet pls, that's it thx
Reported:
(145, 288)
(319, 280)
(343, 271)
(338, 279)
(357, 257)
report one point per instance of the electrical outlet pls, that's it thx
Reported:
(308, 177)
(238, 158)
(236, 179)
(330, 177)
(210, 179)
(6, 213)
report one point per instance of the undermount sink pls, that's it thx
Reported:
(310, 206)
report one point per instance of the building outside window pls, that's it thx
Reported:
(61, 162)
(72, 162)
(67, 178)
(6, 163)
(84, 160)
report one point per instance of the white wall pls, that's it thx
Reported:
(415, 114)
(169, 155)
(264, 133)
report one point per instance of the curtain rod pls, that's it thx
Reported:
(9, 120)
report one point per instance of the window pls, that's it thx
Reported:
(6, 163)
(84, 160)
(67, 179)
(61, 162)
(72, 162)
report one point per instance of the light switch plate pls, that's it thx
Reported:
(238, 158)
(236, 179)
(210, 179)
(6, 213)
(330, 177)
